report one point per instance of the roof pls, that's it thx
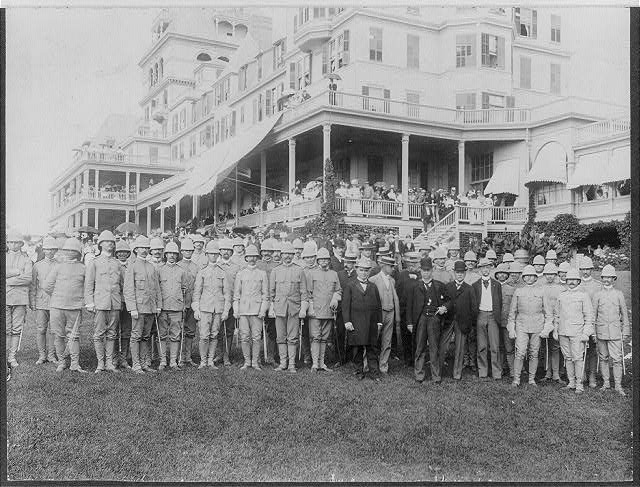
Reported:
(247, 51)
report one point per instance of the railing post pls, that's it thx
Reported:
(405, 176)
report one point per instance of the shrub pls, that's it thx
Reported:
(327, 223)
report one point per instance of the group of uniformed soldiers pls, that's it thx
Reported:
(153, 298)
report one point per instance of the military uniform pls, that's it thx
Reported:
(288, 291)
(200, 259)
(552, 291)
(124, 324)
(509, 344)
(142, 295)
(39, 301)
(270, 323)
(189, 323)
(18, 268)
(174, 281)
(591, 286)
(103, 292)
(225, 335)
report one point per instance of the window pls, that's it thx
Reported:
(318, 13)
(492, 101)
(548, 194)
(335, 54)
(413, 102)
(525, 72)
(492, 51)
(555, 79)
(303, 15)
(375, 44)
(259, 58)
(192, 146)
(208, 136)
(260, 107)
(194, 113)
(465, 101)
(465, 50)
(165, 99)
(267, 107)
(481, 167)
(526, 21)
(242, 114)
(174, 125)
(226, 89)
(146, 113)
(183, 118)
(279, 50)
(161, 68)
(151, 77)
(203, 57)
(413, 10)
(242, 78)
(413, 52)
(555, 28)
(181, 150)
(303, 72)
(153, 155)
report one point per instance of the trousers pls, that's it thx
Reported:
(488, 337)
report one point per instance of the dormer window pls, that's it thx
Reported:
(203, 57)
(223, 58)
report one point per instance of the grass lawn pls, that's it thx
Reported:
(231, 425)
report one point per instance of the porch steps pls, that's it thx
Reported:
(443, 232)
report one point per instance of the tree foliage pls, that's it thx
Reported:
(326, 224)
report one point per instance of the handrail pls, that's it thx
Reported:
(448, 220)
(602, 129)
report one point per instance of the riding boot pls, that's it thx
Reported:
(315, 353)
(246, 353)
(51, 348)
(109, 353)
(74, 349)
(173, 354)
(163, 354)
(145, 355)
(604, 370)
(579, 368)
(617, 378)
(60, 348)
(571, 373)
(255, 363)
(203, 345)
(555, 364)
(99, 347)
(321, 364)
(292, 350)
(517, 370)
(13, 340)
(42, 348)
(533, 367)
(213, 345)
(122, 359)
(136, 365)
(282, 351)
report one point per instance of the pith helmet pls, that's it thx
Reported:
(187, 244)
(564, 267)
(551, 255)
(72, 244)
(521, 254)
(608, 271)
(550, 269)
(484, 262)
(122, 246)
(197, 238)
(106, 236)
(323, 254)
(171, 247)
(309, 250)
(508, 258)
(439, 253)
(267, 245)
(277, 246)
(213, 247)
(529, 271)
(470, 256)
(14, 237)
(586, 263)
(252, 251)
(538, 260)
(141, 241)
(239, 241)
(226, 244)
(573, 274)
(287, 248)
(454, 246)
(297, 244)
(49, 243)
(516, 268)
(156, 244)
(491, 254)
(502, 268)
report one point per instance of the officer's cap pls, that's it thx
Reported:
(470, 256)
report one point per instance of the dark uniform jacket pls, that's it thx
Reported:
(465, 306)
(364, 310)
(418, 299)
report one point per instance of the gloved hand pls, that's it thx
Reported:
(410, 327)
(158, 311)
(311, 311)
(584, 338)
(196, 314)
(134, 314)
(261, 314)
(333, 304)
(349, 326)
(302, 314)
(91, 308)
(272, 311)
(224, 316)
(379, 327)
(555, 335)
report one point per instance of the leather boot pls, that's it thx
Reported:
(604, 370)
(213, 345)
(204, 350)
(99, 346)
(315, 353)
(145, 356)
(292, 349)
(555, 365)
(227, 351)
(571, 373)
(60, 347)
(51, 348)
(246, 353)
(110, 346)
(533, 367)
(592, 365)
(173, 354)
(41, 339)
(189, 347)
(517, 370)
(163, 355)
(321, 364)
(271, 351)
(122, 359)
(255, 362)
(510, 364)
(74, 349)
(617, 378)
(282, 351)
(12, 341)
(135, 357)
(579, 368)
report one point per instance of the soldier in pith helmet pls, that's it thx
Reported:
(123, 252)
(39, 301)
(18, 268)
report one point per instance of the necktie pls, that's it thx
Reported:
(486, 283)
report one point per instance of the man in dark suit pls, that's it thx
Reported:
(407, 279)
(344, 276)
(488, 293)
(336, 262)
(426, 307)
(463, 317)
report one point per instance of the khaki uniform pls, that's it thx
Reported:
(124, 324)
(200, 259)
(39, 300)
(65, 285)
(251, 299)
(552, 291)
(529, 313)
(212, 298)
(611, 319)
(324, 291)
(269, 322)
(591, 287)
(174, 281)
(103, 286)
(572, 320)
(509, 344)
(288, 291)
(141, 294)
(227, 329)
(189, 322)
(239, 260)
(18, 268)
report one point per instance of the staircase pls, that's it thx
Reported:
(443, 232)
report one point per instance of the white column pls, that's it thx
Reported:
(461, 187)
(52, 196)
(326, 154)
(78, 181)
(292, 173)
(148, 220)
(194, 206)
(177, 213)
(97, 183)
(85, 216)
(85, 180)
(405, 176)
(162, 218)
(136, 216)
(263, 176)
(137, 183)
(126, 216)
(95, 222)
(126, 184)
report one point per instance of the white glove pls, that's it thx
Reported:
(272, 311)
(349, 326)
(379, 327)
(196, 314)
(584, 338)
(224, 316)
(334, 304)
(91, 308)
(311, 311)
(555, 335)
(410, 328)
(158, 311)
(134, 314)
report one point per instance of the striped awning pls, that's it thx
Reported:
(619, 165)
(505, 178)
(590, 169)
(550, 166)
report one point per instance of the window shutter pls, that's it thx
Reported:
(345, 47)
(471, 101)
(485, 49)
(485, 100)
(292, 76)
(295, 23)
(310, 67)
(501, 54)
(386, 93)
(534, 24)
(511, 101)
(233, 123)
(284, 47)
(325, 58)
(275, 55)
(268, 103)
(365, 90)
(255, 110)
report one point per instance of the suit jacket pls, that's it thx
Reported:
(417, 300)
(496, 297)
(380, 284)
(465, 306)
(335, 264)
(363, 310)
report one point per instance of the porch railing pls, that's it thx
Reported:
(366, 207)
(93, 194)
(492, 214)
(602, 130)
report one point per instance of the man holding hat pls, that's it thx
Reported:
(288, 291)
(251, 302)
(611, 319)
(103, 285)
(225, 335)
(192, 268)
(361, 309)
(174, 281)
(489, 297)
(211, 304)
(324, 297)
(572, 327)
(144, 300)
(591, 287)
(39, 301)
(407, 279)
(65, 285)
(552, 290)
(390, 307)
(426, 307)
(19, 272)
(123, 252)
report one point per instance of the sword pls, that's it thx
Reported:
(300, 340)
(624, 370)
(584, 360)
(159, 341)
(264, 339)
(236, 332)
(20, 340)
(546, 363)
(335, 337)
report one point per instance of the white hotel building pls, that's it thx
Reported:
(427, 97)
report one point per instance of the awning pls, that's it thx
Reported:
(590, 169)
(215, 163)
(505, 179)
(619, 165)
(550, 166)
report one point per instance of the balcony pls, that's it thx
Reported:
(492, 215)
(603, 130)
(93, 195)
(312, 34)
(100, 155)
